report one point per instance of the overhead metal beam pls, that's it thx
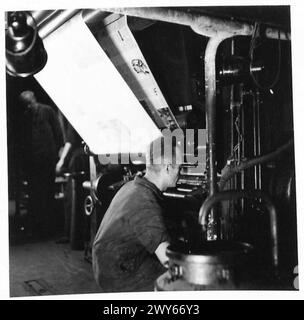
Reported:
(41, 15)
(200, 23)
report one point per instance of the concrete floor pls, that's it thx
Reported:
(42, 267)
(47, 268)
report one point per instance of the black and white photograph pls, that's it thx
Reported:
(150, 149)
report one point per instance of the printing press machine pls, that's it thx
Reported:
(227, 76)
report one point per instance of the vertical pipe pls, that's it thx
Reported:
(93, 217)
(232, 104)
(259, 140)
(210, 92)
(254, 194)
(242, 144)
(210, 96)
(73, 234)
(233, 179)
(239, 123)
(254, 140)
(242, 135)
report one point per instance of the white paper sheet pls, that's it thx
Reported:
(91, 93)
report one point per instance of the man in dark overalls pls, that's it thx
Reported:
(129, 251)
(42, 141)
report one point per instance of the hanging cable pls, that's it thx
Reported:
(231, 168)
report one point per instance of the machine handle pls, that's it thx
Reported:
(89, 205)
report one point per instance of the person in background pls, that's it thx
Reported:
(72, 155)
(42, 141)
(129, 250)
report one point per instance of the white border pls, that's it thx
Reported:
(297, 32)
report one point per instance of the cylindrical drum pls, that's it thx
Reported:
(212, 264)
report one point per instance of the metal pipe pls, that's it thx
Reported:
(174, 195)
(254, 139)
(54, 21)
(210, 99)
(40, 16)
(232, 182)
(210, 105)
(239, 136)
(259, 139)
(242, 145)
(230, 171)
(94, 16)
(234, 195)
(232, 108)
(200, 23)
